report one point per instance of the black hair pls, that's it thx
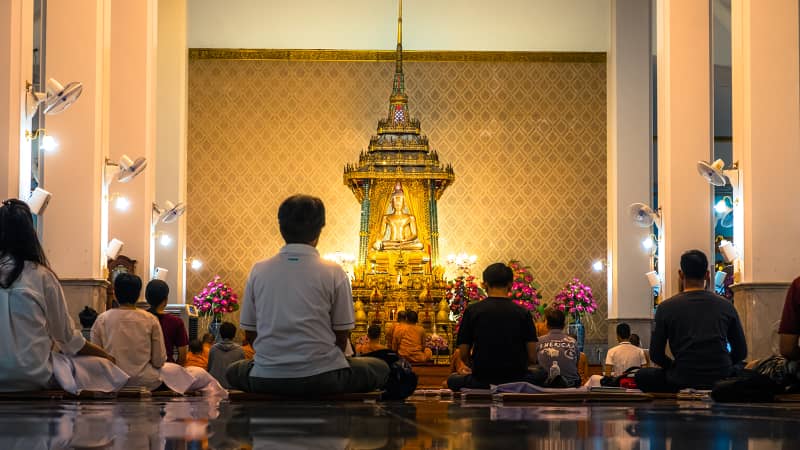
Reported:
(195, 346)
(301, 218)
(694, 265)
(127, 288)
(374, 332)
(498, 275)
(402, 316)
(207, 337)
(227, 330)
(635, 340)
(412, 317)
(18, 240)
(624, 331)
(555, 318)
(87, 317)
(155, 293)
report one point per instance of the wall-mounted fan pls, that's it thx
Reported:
(643, 216)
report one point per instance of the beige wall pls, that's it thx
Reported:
(550, 25)
(527, 142)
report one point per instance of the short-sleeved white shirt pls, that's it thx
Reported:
(294, 301)
(33, 316)
(624, 356)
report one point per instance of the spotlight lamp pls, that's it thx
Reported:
(46, 142)
(716, 174)
(128, 168)
(120, 202)
(164, 239)
(195, 263)
(38, 201)
(598, 266)
(56, 98)
(169, 213)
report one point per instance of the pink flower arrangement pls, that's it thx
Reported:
(460, 293)
(576, 299)
(216, 299)
(436, 342)
(524, 290)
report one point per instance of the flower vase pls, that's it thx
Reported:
(577, 329)
(213, 327)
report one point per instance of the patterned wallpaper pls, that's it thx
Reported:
(526, 141)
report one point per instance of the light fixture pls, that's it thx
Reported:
(598, 266)
(114, 248)
(120, 202)
(716, 174)
(169, 213)
(727, 250)
(165, 240)
(46, 142)
(38, 201)
(56, 99)
(653, 279)
(722, 206)
(195, 263)
(648, 243)
(160, 274)
(128, 168)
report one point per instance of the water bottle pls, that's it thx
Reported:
(554, 370)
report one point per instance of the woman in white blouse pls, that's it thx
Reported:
(33, 312)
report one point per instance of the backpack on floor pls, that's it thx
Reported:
(749, 386)
(402, 379)
(625, 380)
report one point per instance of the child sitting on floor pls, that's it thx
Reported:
(132, 335)
(196, 356)
(409, 341)
(224, 353)
(373, 341)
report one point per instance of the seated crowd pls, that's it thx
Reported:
(297, 315)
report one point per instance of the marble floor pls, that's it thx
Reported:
(424, 424)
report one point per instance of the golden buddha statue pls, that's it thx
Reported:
(399, 226)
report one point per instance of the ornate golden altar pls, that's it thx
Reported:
(398, 181)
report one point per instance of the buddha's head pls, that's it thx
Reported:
(398, 198)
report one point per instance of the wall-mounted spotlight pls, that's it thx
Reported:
(650, 243)
(195, 263)
(56, 98)
(114, 248)
(120, 202)
(128, 168)
(38, 201)
(46, 142)
(164, 239)
(598, 266)
(169, 213)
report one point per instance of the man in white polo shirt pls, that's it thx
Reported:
(298, 312)
(624, 355)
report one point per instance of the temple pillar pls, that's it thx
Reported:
(73, 237)
(132, 124)
(766, 143)
(684, 133)
(170, 154)
(630, 298)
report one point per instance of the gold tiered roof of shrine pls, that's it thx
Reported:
(399, 150)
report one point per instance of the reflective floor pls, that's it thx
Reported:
(425, 424)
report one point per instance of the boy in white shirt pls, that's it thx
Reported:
(624, 355)
(132, 335)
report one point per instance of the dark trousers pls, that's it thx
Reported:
(456, 382)
(652, 379)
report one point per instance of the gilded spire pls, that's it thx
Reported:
(400, 24)
(399, 57)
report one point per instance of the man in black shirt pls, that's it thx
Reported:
(497, 338)
(698, 325)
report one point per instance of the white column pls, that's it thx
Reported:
(766, 142)
(171, 138)
(630, 297)
(132, 122)
(16, 45)
(684, 132)
(77, 45)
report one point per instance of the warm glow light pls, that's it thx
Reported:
(722, 207)
(597, 266)
(121, 203)
(165, 240)
(648, 243)
(48, 143)
(195, 264)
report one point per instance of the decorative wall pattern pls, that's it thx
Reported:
(527, 142)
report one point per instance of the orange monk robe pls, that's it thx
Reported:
(583, 368)
(392, 335)
(410, 341)
(196, 360)
(369, 347)
(249, 351)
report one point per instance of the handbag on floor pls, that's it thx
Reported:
(402, 379)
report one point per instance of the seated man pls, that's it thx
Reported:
(392, 328)
(557, 349)
(224, 353)
(410, 340)
(297, 311)
(698, 325)
(373, 341)
(496, 338)
(624, 355)
(637, 342)
(789, 329)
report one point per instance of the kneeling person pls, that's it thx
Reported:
(497, 338)
(298, 312)
(224, 353)
(411, 341)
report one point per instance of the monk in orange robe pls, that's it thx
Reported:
(391, 330)
(373, 341)
(410, 341)
(196, 356)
